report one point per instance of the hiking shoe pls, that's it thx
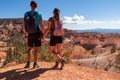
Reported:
(27, 65)
(56, 65)
(35, 65)
(62, 64)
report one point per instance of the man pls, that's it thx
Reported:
(33, 29)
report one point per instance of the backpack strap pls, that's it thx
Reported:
(52, 25)
(28, 13)
(53, 18)
(35, 13)
(56, 20)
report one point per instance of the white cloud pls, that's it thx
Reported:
(78, 23)
(91, 22)
(77, 18)
(67, 20)
(73, 20)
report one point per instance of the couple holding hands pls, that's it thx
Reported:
(34, 32)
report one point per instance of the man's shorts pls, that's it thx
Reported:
(56, 40)
(33, 40)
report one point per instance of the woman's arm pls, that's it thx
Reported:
(48, 28)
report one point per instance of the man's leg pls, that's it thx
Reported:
(37, 44)
(28, 57)
(29, 53)
(35, 54)
(35, 65)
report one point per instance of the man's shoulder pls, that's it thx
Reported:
(26, 13)
(39, 13)
(31, 11)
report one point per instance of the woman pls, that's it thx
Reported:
(55, 40)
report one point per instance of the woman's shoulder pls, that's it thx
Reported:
(50, 19)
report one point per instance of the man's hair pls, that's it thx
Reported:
(56, 10)
(33, 3)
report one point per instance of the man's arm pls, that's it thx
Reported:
(24, 31)
(24, 28)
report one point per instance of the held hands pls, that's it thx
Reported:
(25, 35)
(42, 37)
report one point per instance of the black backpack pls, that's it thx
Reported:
(30, 23)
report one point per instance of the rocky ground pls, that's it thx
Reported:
(70, 72)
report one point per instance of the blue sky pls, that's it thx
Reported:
(76, 14)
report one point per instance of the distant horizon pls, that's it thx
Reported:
(73, 28)
(101, 29)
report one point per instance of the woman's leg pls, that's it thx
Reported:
(59, 49)
(52, 49)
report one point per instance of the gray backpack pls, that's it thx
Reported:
(58, 30)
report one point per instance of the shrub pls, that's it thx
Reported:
(79, 64)
(105, 45)
(45, 55)
(118, 61)
(118, 48)
(67, 54)
(0, 59)
(9, 57)
(113, 50)
(16, 54)
(92, 51)
(20, 54)
(20, 49)
(88, 46)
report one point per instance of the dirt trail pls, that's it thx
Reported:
(70, 72)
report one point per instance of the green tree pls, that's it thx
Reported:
(113, 50)
(118, 61)
(0, 59)
(9, 56)
(92, 51)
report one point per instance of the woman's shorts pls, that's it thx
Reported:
(56, 40)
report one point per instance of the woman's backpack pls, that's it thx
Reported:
(58, 28)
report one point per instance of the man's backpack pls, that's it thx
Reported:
(30, 23)
(58, 28)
